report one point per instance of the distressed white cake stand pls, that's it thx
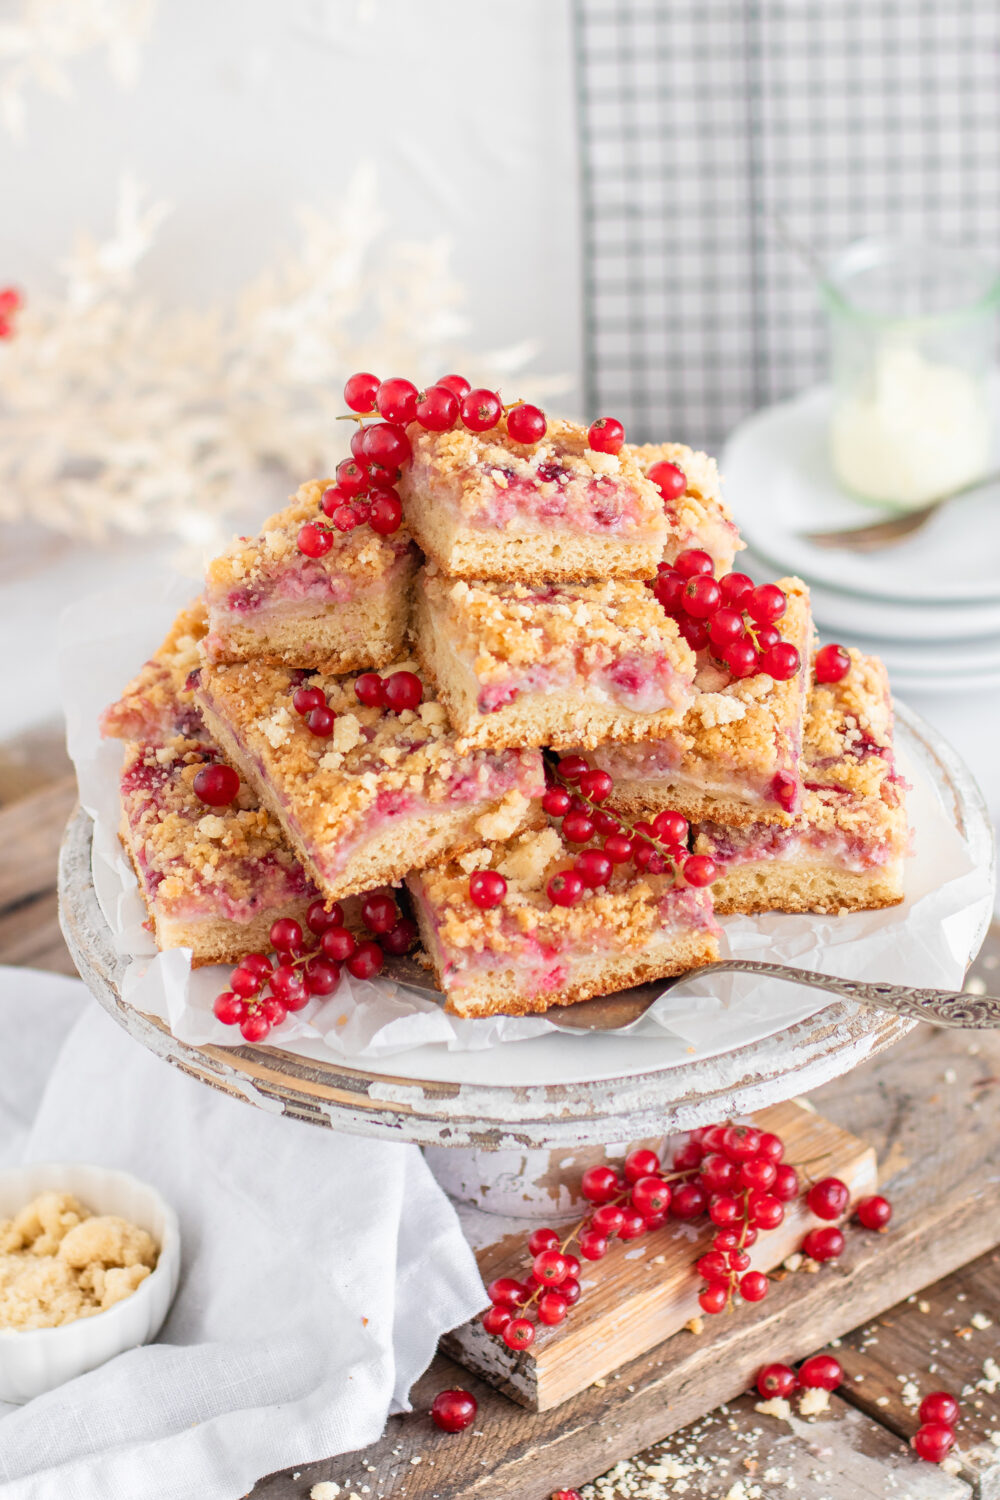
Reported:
(514, 1121)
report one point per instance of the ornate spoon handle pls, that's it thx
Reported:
(944, 1007)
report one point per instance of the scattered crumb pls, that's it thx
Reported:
(695, 1325)
(325, 1490)
(814, 1400)
(777, 1407)
(910, 1395)
(980, 1321)
(924, 1307)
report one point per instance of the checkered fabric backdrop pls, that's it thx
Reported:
(707, 124)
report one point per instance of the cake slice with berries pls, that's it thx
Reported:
(326, 584)
(364, 774)
(553, 509)
(734, 757)
(846, 849)
(214, 868)
(551, 664)
(689, 484)
(510, 929)
(159, 701)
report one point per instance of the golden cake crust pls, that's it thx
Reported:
(158, 695)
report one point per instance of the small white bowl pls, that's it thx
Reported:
(34, 1360)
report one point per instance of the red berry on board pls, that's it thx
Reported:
(701, 597)
(495, 1319)
(599, 1184)
(607, 1219)
(741, 1142)
(481, 409)
(758, 1173)
(694, 563)
(766, 604)
(437, 408)
(519, 1333)
(454, 1410)
(400, 938)
(321, 976)
(457, 384)
(740, 657)
(570, 1288)
(771, 1146)
(632, 1225)
(781, 661)
(549, 1268)
(606, 435)
(255, 1026)
(688, 1201)
(712, 1136)
(713, 1266)
(216, 785)
(526, 424)
(552, 1307)
(319, 918)
(304, 700)
(776, 1380)
(718, 1173)
(257, 963)
(640, 1163)
(506, 1292)
(351, 477)
(320, 721)
(287, 983)
(939, 1406)
(566, 1495)
(385, 444)
(714, 1298)
(487, 888)
(543, 1239)
(754, 1286)
(386, 514)
(397, 400)
(593, 1245)
(668, 478)
(366, 961)
(723, 1209)
(651, 1195)
(933, 1442)
(822, 1372)
(379, 912)
(828, 1198)
(369, 689)
(403, 690)
(360, 392)
(823, 1244)
(338, 943)
(594, 868)
(874, 1212)
(565, 889)
(766, 1211)
(698, 870)
(286, 935)
(832, 663)
(313, 540)
(229, 1008)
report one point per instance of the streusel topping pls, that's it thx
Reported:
(702, 500)
(159, 700)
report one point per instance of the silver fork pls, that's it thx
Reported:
(874, 535)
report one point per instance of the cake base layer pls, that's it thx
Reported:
(644, 799)
(755, 886)
(354, 636)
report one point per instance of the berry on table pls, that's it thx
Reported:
(939, 1406)
(454, 1410)
(519, 1333)
(505, 1291)
(828, 1198)
(549, 1268)
(933, 1441)
(606, 435)
(319, 917)
(496, 1318)
(821, 1371)
(651, 1196)
(688, 1201)
(216, 785)
(526, 424)
(397, 400)
(823, 1244)
(244, 982)
(776, 1380)
(668, 478)
(552, 1307)
(832, 663)
(543, 1239)
(566, 1495)
(607, 1219)
(741, 1142)
(338, 944)
(641, 1163)
(360, 392)
(487, 888)
(400, 938)
(254, 1026)
(321, 976)
(754, 1286)
(714, 1297)
(593, 1244)
(874, 1212)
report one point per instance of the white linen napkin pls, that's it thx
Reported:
(319, 1271)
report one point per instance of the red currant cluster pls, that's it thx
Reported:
(574, 797)
(308, 964)
(729, 616)
(399, 691)
(11, 303)
(828, 1199)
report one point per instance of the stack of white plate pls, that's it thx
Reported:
(929, 605)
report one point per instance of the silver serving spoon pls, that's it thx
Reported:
(622, 1012)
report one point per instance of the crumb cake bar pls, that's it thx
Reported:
(213, 879)
(551, 664)
(485, 506)
(341, 612)
(159, 701)
(846, 849)
(528, 954)
(734, 758)
(384, 793)
(699, 517)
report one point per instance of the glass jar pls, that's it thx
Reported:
(912, 334)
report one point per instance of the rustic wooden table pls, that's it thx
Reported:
(931, 1107)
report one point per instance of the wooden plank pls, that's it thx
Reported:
(736, 1451)
(935, 1117)
(940, 1339)
(33, 759)
(30, 935)
(31, 830)
(643, 1292)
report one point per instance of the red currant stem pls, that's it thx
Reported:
(518, 402)
(660, 848)
(355, 416)
(751, 629)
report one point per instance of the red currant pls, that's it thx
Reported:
(781, 661)
(480, 409)
(570, 1288)
(313, 540)
(701, 597)
(506, 1292)
(495, 1319)
(772, 1147)
(651, 1195)
(255, 1026)
(216, 785)
(822, 1372)
(572, 767)
(321, 976)
(566, 1495)
(757, 1173)
(386, 514)
(596, 784)
(229, 1008)
(754, 1286)
(766, 604)
(286, 983)
(519, 1333)
(933, 1441)
(828, 1198)
(593, 1244)
(487, 888)
(352, 478)
(594, 868)
(455, 1410)
(776, 1380)
(606, 435)
(741, 657)
(552, 1307)
(366, 961)
(618, 848)
(526, 424)
(694, 563)
(874, 1212)
(360, 392)
(385, 444)
(712, 1266)
(766, 1211)
(286, 935)
(565, 888)
(741, 1142)
(832, 663)
(735, 589)
(379, 912)
(939, 1406)
(319, 917)
(599, 1184)
(669, 590)
(670, 827)
(723, 1209)
(257, 963)
(345, 518)
(698, 870)
(641, 1163)
(577, 827)
(714, 1298)
(457, 384)
(543, 1239)
(369, 689)
(382, 479)
(669, 479)
(320, 721)
(695, 632)
(244, 982)
(632, 1225)
(400, 938)
(725, 626)
(304, 700)
(403, 690)
(607, 1219)
(718, 1173)
(437, 408)
(397, 400)
(823, 1244)
(549, 1268)
(688, 1201)
(338, 943)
